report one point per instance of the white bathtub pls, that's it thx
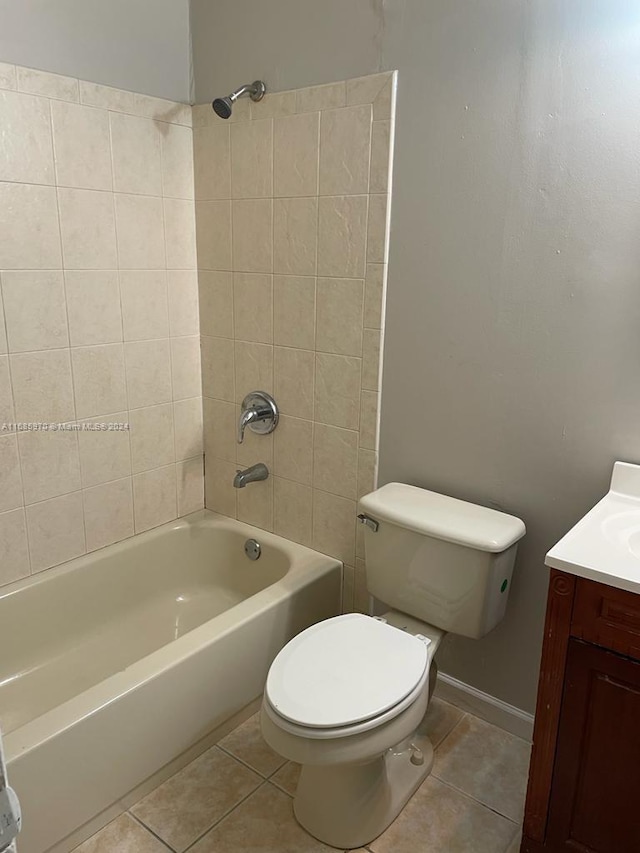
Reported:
(116, 663)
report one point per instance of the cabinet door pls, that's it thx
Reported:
(595, 805)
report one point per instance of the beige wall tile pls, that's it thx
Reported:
(176, 148)
(321, 97)
(293, 449)
(98, 380)
(335, 460)
(274, 104)
(140, 229)
(292, 511)
(50, 464)
(7, 76)
(187, 420)
(10, 476)
(3, 334)
(105, 96)
(185, 367)
(212, 161)
(296, 155)
(56, 531)
(152, 437)
(213, 235)
(383, 103)
(342, 229)
(254, 368)
(347, 589)
(255, 448)
(42, 389)
(294, 311)
(252, 159)
(162, 110)
(216, 303)
(337, 390)
(26, 210)
(7, 414)
(154, 498)
(255, 504)
(82, 146)
(108, 513)
(180, 233)
(88, 229)
(35, 310)
(218, 368)
(339, 315)
(135, 146)
(104, 454)
(294, 382)
(145, 311)
(380, 146)
(364, 90)
(148, 371)
(374, 296)
(368, 419)
(253, 307)
(345, 145)
(183, 302)
(190, 485)
(93, 307)
(367, 471)
(361, 598)
(377, 230)
(371, 360)
(220, 496)
(47, 84)
(14, 551)
(25, 144)
(220, 425)
(252, 235)
(295, 235)
(334, 526)
(241, 112)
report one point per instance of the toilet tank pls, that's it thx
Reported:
(445, 561)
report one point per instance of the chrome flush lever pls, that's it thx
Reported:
(371, 523)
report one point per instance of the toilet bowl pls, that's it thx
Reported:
(347, 698)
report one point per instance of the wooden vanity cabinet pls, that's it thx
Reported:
(584, 779)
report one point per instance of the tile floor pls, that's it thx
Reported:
(237, 798)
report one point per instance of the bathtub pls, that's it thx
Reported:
(116, 663)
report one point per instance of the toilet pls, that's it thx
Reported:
(347, 697)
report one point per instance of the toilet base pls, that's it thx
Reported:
(347, 806)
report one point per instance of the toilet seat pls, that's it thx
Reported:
(346, 674)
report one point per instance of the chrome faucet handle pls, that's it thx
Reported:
(259, 412)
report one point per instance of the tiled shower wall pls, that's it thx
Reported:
(98, 317)
(291, 218)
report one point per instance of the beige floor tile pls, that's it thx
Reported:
(287, 777)
(514, 847)
(264, 823)
(439, 819)
(247, 744)
(123, 835)
(441, 718)
(487, 763)
(189, 803)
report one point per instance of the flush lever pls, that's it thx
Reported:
(371, 523)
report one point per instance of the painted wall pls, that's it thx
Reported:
(513, 315)
(142, 46)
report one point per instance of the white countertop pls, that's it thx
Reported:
(604, 546)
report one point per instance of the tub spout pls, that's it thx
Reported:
(250, 475)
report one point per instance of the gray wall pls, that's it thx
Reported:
(140, 45)
(513, 338)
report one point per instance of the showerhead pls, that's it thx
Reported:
(223, 107)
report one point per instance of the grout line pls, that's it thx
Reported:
(147, 829)
(472, 799)
(226, 814)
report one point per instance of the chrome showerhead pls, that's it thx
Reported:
(223, 107)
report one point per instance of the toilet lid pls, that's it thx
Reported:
(345, 670)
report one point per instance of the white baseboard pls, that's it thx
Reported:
(486, 707)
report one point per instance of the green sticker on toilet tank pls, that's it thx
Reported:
(505, 583)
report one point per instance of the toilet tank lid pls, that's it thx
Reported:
(442, 517)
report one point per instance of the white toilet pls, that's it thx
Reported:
(346, 698)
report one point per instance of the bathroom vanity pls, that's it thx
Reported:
(585, 766)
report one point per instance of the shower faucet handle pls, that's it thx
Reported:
(259, 412)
